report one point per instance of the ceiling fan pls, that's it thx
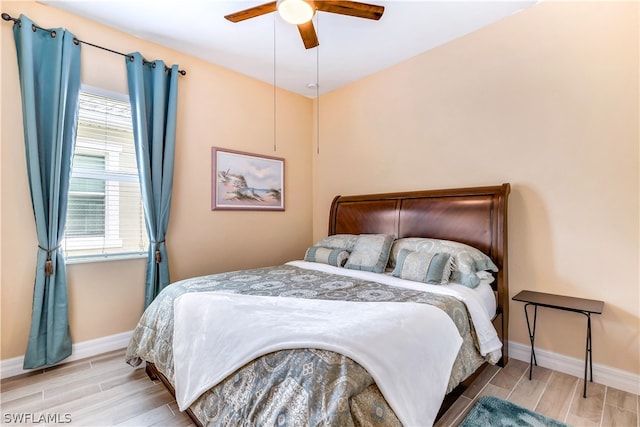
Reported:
(300, 13)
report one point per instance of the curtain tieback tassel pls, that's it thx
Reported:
(158, 254)
(48, 264)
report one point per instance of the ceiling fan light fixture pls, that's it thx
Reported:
(296, 11)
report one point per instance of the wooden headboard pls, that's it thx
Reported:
(475, 216)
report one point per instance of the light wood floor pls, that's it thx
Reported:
(551, 393)
(103, 390)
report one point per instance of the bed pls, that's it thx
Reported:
(316, 385)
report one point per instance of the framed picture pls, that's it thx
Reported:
(245, 181)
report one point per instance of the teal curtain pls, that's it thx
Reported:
(153, 92)
(49, 68)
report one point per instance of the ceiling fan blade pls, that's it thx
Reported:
(252, 12)
(351, 8)
(308, 33)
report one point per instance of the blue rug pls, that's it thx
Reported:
(492, 411)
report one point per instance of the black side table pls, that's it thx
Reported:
(560, 302)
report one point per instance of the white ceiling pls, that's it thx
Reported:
(269, 49)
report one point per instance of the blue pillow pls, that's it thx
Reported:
(467, 259)
(370, 252)
(427, 267)
(339, 241)
(335, 257)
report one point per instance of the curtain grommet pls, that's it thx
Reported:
(33, 28)
(53, 34)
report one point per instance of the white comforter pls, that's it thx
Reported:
(409, 362)
(488, 341)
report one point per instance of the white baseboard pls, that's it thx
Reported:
(81, 350)
(602, 374)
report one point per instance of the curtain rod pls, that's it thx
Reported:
(76, 40)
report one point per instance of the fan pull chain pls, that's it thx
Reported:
(318, 88)
(275, 147)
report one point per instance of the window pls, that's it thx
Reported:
(86, 214)
(105, 217)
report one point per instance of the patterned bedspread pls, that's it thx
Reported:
(293, 387)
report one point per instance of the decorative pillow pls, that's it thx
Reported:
(339, 241)
(335, 257)
(427, 267)
(370, 252)
(485, 277)
(467, 259)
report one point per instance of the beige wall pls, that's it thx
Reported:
(216, 107)
(547, 100)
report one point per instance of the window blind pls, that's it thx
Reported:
(104, 215)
